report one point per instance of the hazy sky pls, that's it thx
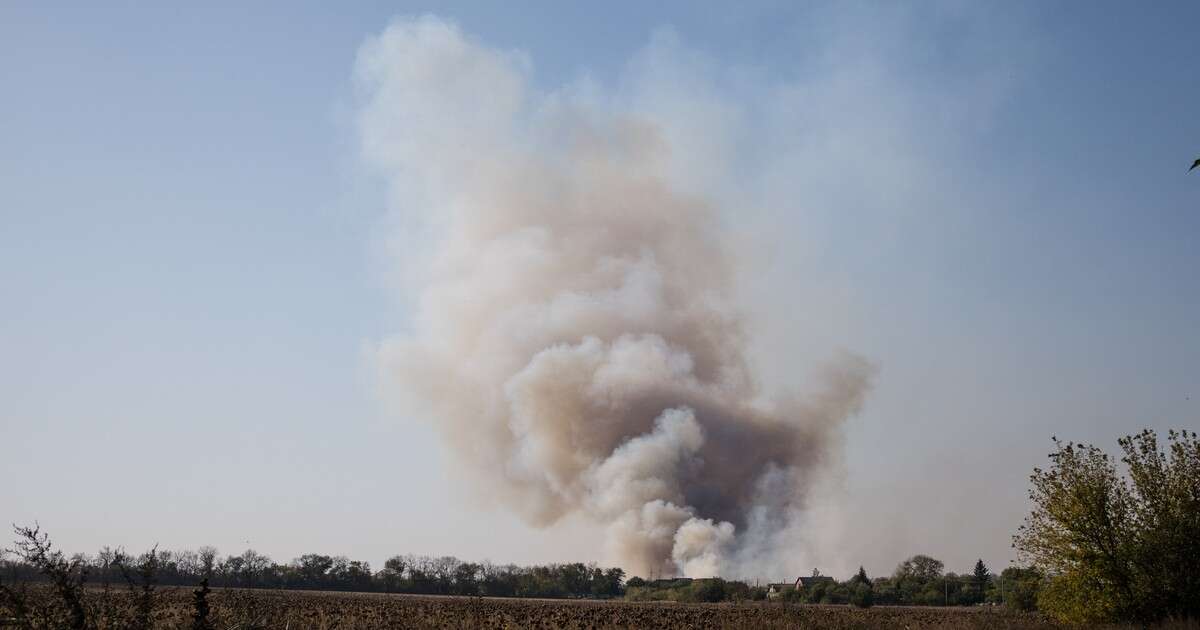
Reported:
(988, 201)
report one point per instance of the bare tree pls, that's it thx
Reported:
(208, 561)
(66, 576)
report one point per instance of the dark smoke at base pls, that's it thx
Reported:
(576, 337)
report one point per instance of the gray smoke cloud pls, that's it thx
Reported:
(576, 331)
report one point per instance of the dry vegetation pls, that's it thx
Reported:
(263, 609)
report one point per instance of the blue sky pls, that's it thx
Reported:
(195, 265)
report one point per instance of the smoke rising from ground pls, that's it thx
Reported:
(577, 335)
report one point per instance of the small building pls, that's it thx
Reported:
(811, 581)
(777, 589)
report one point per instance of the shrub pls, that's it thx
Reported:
(1019, 588)
(200, 607)
(66, 576)
(710, 590)
(792, 595)
(862, 596)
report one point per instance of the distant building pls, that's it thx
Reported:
(777, 589)
(669, 582)
(811, 581)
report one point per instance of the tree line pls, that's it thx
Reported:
(416, 574)
(917, 581)
(920, 581)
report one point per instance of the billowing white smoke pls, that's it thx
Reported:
(574, 337)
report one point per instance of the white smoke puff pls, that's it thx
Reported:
(644, 539)
(452, 73)
(768, 524)
(701, 547)
(565, 415)
(647, 468)
(575, 336)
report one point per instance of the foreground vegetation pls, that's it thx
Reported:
(237, 609)
(1112, 545)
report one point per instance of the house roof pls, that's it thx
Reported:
(810, 580)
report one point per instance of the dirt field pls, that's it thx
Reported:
(289, 610)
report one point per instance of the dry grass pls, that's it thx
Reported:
(288, 610)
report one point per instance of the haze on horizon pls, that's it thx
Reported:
(208, 248)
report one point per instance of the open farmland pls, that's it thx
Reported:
(364, 611)
(270, 609)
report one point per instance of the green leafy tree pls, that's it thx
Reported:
(920, 567)
(860, 592)
(1019, 587)
(862, 595)
(708, 590)
(1117, 547)
(918, 581)
(313, 568)
(607, 582)
(861, 577)
(816, 593)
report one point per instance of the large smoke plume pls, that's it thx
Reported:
(576, 335)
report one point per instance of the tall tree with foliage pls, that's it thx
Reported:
(918, 580)
(980, 577)
(1117, 547)
(861, 590)
(861, 577)
(920, 567)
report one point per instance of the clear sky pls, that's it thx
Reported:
(989, 201)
